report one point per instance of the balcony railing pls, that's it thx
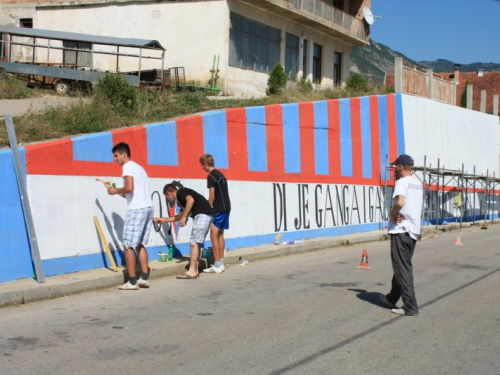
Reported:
(327, 12)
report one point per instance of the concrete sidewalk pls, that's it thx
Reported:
(27, 290)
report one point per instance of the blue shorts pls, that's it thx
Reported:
(221, 220)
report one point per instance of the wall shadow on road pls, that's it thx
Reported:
(368, 332)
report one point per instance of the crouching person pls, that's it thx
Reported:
(196, 206)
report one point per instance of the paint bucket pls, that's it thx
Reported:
(162, 257)
(206, 253)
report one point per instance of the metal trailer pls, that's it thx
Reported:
(62, 75)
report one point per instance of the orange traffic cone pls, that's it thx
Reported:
(458, 242)
(364, 261)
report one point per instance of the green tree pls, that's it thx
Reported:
(463, 99)
(277, 79)
(357, 82)
(118, 91)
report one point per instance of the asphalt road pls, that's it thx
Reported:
(311, 313)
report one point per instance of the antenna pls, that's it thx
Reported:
(370, 18)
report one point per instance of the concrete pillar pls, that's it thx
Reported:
(454, 92)
(495, 105)
(483, 101)
(431, 84)
(398, 75)
(310, 51)
(300, 73)
(469, 96)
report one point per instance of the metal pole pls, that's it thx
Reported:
(461, 184)
(23, 191)
(117, 57)
(10, 48)
(162, 67)
(487, 196)
(474, 194)
(140, 60)
(438, 210)
(493, 208)
(48, 53)
(422, 215)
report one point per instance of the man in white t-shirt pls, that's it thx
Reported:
(404, 228)
(139, 216)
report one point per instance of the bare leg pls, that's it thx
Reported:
(222, 243)
(143, 258)
(130, 261)
(194, 259)
(214, 237)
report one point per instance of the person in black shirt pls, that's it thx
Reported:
(195, 205)
(219, 200)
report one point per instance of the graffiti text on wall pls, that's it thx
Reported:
(323, 206)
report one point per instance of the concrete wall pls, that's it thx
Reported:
(305, 170)
(192, 33)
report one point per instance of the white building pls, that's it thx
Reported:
(311, 38)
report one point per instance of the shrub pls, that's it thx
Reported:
(304, 86)
(357, 82)
(13, 88)
(277, 79)
(118, 91)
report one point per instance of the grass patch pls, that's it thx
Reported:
(99, 114)
(13, 88)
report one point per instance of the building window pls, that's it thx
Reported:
(291, 56)
(77, 59)
(337, 69)
(304, 59)
(3, 46)
(253, 45)
(26, 22)
(317, 52)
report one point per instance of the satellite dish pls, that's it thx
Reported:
(369, 17)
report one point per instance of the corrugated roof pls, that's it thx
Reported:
(77, 37)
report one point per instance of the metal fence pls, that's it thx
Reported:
(327, 12)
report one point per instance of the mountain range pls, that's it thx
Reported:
(375, 60)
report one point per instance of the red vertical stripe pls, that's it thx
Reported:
(334, 138)
(275, 147)
(54, 158)
(237, 144)
(137, 141)
(393, 133)
(190, 146)
(306, 126)
(357, 147)
(375, 134)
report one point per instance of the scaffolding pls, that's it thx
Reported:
(439, 183)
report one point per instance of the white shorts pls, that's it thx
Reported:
(201, 225)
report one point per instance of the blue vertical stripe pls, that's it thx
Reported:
(291, 137)
(400, 124)
(93, 147)
(14, 240)
(345, 138)
(215, 137)
(256, 139)
(321, 137)
(366, 137)
(384, 134)
(162, 143)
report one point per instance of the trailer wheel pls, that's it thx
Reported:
(61, 87)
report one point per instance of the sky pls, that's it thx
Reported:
(462, 31)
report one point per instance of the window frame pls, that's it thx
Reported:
(337, 69)
(250, 39)
(317, 64)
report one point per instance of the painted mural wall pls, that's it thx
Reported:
(305, 170)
